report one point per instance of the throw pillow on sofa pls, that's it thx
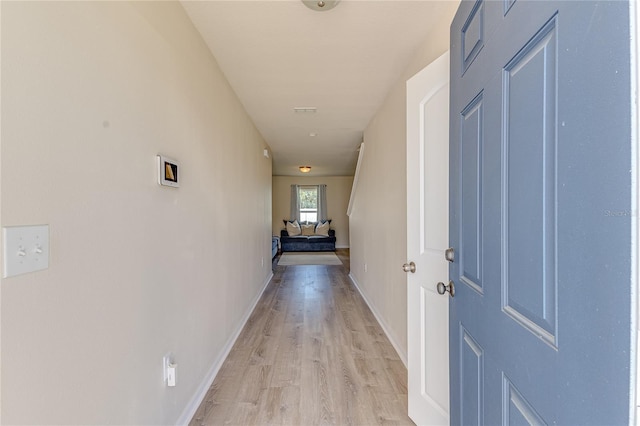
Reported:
(323, 228)
(307, 230)
(293, 228)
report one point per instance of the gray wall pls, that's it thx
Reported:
(91, 92)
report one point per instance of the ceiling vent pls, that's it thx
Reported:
(305, 110)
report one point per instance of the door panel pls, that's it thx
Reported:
(518, 411)
(471, 379)
(434, 308)
(434, 127)
(529, 167)
(472, 35)
(540, 151)
(471, 142)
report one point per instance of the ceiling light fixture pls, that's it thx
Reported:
(305, 169)
(320, 5)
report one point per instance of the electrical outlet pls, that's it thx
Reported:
(365, 267)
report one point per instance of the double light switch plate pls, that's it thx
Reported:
(26, 249)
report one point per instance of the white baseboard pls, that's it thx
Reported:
(402, 354)
(341, 246)
(198, 397)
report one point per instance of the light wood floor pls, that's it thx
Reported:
(311, 353)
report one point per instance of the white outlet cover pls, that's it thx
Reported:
(26, 249)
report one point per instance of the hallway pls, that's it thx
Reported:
(311, 353)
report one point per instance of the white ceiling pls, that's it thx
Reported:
(279, 54)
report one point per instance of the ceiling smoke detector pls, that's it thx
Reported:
(320, 5)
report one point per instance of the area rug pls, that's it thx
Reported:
(308, 258)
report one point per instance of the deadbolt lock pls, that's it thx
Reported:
(449, 254)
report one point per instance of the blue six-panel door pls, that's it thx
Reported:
(540, 202)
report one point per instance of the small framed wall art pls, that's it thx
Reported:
(168, 171)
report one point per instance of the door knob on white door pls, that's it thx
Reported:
(442, 288)
(409, 267)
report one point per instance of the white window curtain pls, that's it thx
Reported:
(322, 203)
(295, 204)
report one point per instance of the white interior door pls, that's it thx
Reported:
(427, 239)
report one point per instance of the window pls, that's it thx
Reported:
(308, 203)
(308, 198)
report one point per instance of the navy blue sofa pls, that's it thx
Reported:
(275, 242)
(307, 243)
